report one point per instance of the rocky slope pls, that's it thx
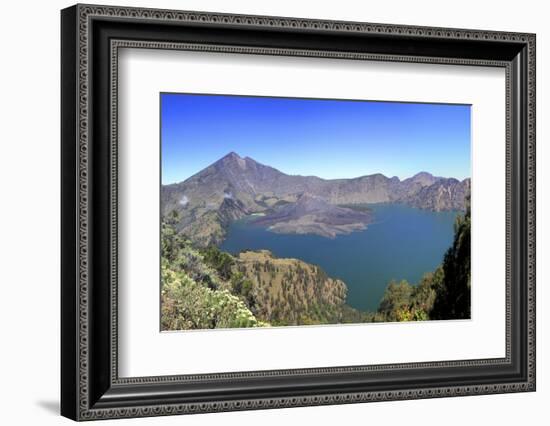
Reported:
(234, 187)
(443, 194)
(290, 291)
(311, 214)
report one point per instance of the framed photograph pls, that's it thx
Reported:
(263, 212)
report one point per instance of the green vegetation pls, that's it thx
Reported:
(453, 292)
(404, 302)
(443, 294)
(208, 288)
(187, 304)
(222, 262)
(194, 294)
(290, 291)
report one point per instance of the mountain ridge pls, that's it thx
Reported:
(254, 187)
(234, 155)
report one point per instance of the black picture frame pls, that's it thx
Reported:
(90, 386)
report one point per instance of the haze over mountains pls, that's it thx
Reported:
(234, 187)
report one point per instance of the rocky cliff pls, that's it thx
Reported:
(290, 291)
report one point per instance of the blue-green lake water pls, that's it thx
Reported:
(401, 243)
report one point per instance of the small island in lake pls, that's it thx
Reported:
(312, 214)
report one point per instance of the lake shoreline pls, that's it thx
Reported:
(402, 243)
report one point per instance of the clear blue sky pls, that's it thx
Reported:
(325, 138)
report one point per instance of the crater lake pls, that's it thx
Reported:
(402, 243)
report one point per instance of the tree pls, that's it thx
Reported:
(170, 240)
(453, 297)
(222, 262)
(396, 301)
(243, 287)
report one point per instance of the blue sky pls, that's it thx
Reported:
(326, 138)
